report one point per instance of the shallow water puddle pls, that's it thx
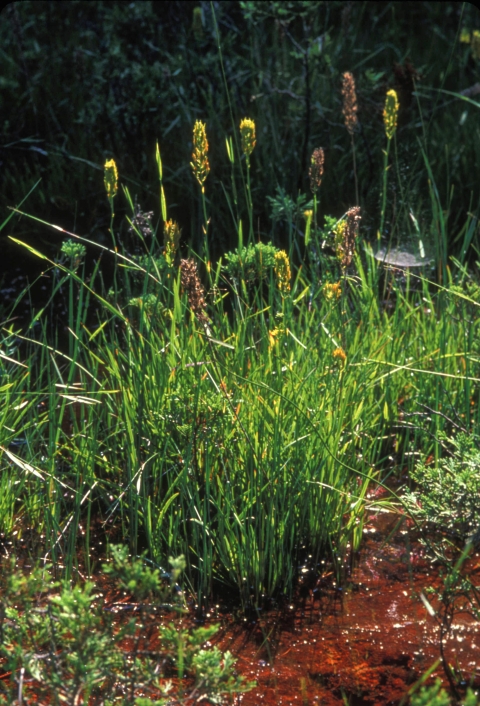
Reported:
(364, 645)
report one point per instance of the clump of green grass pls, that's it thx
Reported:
(243, 434)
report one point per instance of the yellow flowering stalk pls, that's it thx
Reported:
(475, 44)
(308, 225)
(332, 290)
(201, 168)
(390, 113)
(171, 234)
(339, 232)
(472, 38)
(200, 163)
(247, 134)
(282, 271)
(110, 177)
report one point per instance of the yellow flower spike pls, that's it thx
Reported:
(247, 133)
(282, 271)
(316, 169)
(110, 177)
(197, 23)
(171, 233)
(200, 164)
(390, 113)
(475, 44)
(308, 225)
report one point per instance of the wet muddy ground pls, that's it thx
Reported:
(364, 645)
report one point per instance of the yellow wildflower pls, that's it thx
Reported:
(339, 354)
(200, 164)
(247, 133)
(272, 337)
(282, 271)
(475, 44)
(110, 177)
(390, 113)
(308, 225)
(332, 290)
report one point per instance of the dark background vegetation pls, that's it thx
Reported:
(82, 82)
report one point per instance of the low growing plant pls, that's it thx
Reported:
(447, 497)
(62, 643)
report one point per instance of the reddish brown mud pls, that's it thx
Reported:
(362, 646)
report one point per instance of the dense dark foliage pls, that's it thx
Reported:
(86, 81)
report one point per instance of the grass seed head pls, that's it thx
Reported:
(390, 113)
(350, 107)
(110, 177)
(345, 236)
(193, 287)
(316, 169)
(200, 163)
(247, 133)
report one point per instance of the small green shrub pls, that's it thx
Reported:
(61, 642)
(448, 494)
(436, 696)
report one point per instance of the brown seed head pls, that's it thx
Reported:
(194, 288)
(345, 236)
(316, 169)
(350, 107)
